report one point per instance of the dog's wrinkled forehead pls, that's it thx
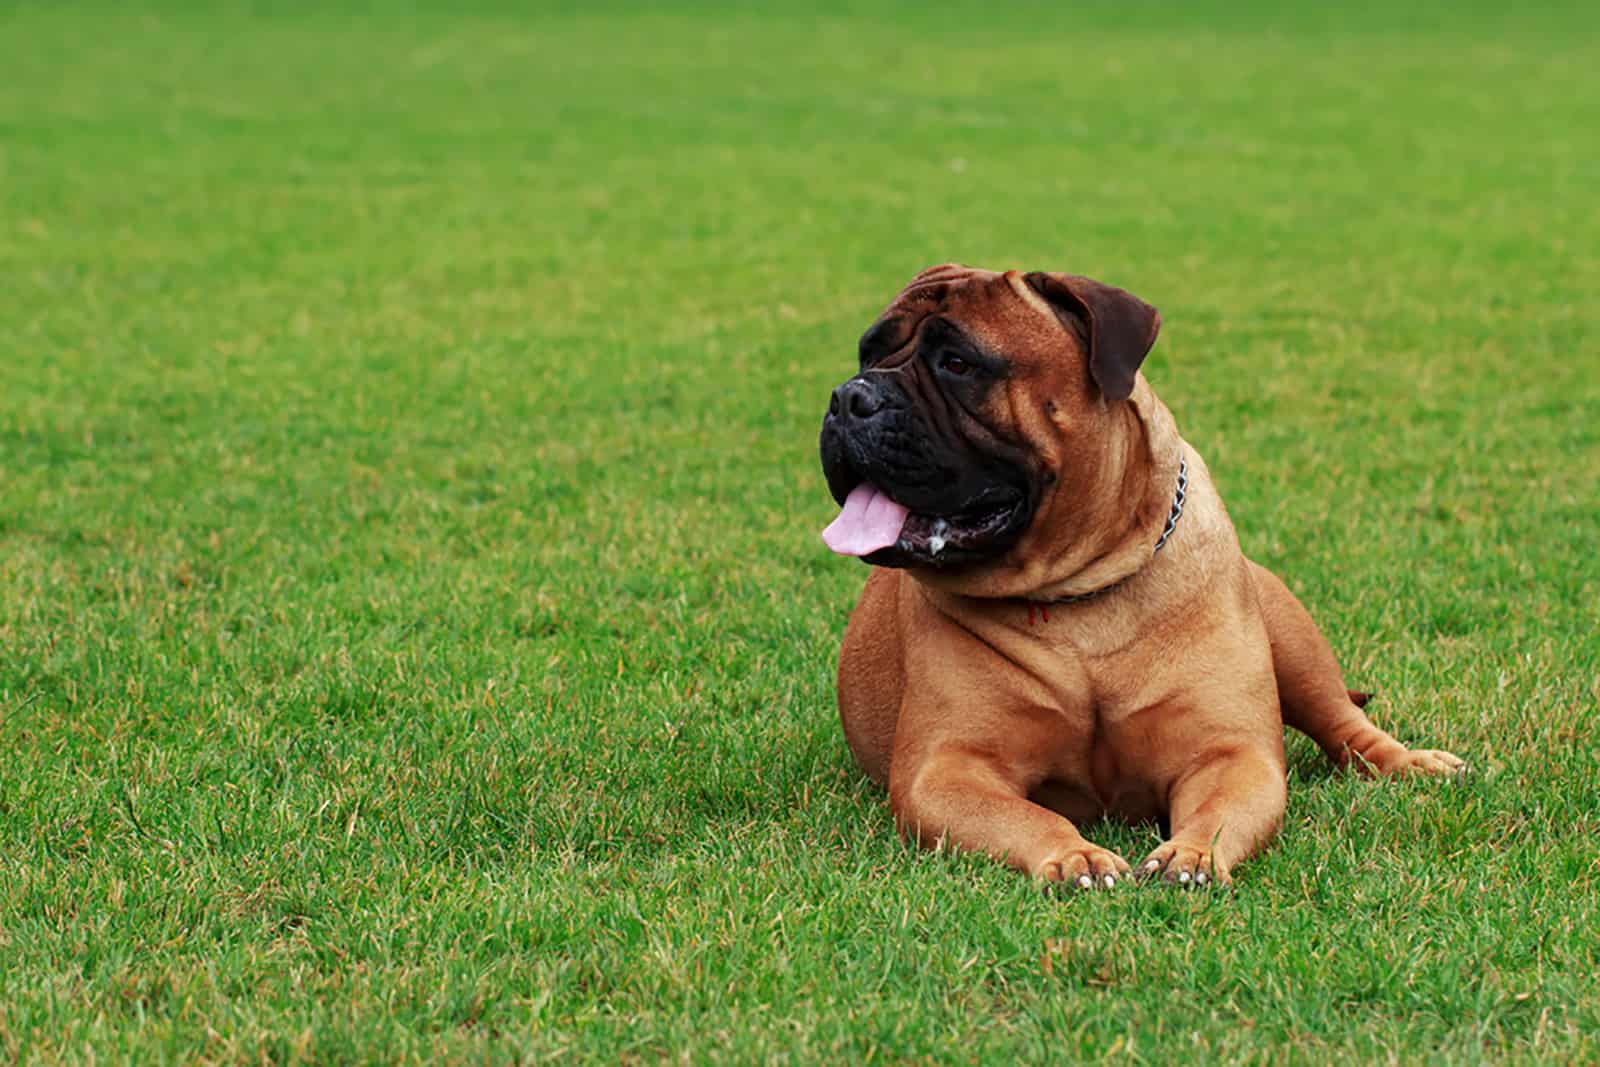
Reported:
(948, 294)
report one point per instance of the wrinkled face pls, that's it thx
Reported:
(944, 445)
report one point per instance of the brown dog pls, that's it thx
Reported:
(1062, 625)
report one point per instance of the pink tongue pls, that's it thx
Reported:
(869, 521)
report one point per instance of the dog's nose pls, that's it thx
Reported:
(856, 399)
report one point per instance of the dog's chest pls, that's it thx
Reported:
(1096, 782)
(1100, 687)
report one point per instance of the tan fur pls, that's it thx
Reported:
(1000, 718)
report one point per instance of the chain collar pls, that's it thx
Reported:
(1177, 502)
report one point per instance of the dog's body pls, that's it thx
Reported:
(1080, 637)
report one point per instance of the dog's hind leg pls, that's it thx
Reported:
(1313, 696)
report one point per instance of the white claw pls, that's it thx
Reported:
(1200, 879)
(1152, 865)
(1183, 877)
(1084, 882)
(1110, 881)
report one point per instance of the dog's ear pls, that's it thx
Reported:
(1121, 326)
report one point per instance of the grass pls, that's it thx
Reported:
(414, 640)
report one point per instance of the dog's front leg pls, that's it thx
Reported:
(967, 797)
(1223, 810)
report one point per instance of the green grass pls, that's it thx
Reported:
(414, 639)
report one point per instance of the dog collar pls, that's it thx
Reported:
(1177, 503)
(1173, 516)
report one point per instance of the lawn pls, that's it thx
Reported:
(415, 644)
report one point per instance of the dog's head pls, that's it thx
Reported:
(988, 408)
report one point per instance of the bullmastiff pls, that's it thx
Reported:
(1060, 624)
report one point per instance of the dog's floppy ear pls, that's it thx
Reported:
(1121, 326)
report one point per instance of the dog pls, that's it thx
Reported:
(1060, 624)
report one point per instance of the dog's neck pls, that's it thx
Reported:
(1173, 516)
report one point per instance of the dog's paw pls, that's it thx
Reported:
(1423, 761)
(1084, 866)
(1184, 866)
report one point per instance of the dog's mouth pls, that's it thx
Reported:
(885, 533)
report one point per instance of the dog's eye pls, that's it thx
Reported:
(955, 365)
